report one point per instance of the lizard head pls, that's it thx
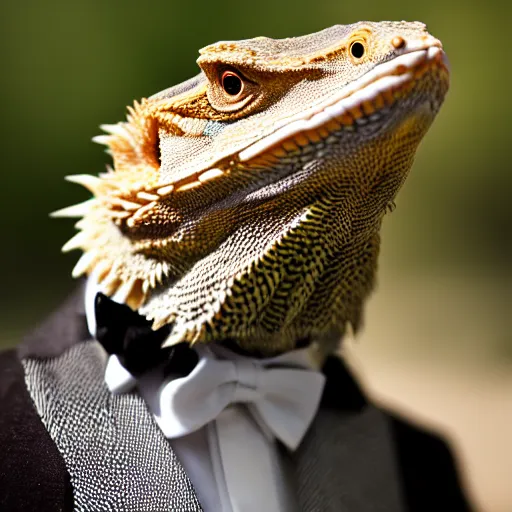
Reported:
(245, 204)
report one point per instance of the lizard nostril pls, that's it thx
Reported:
(398, 42)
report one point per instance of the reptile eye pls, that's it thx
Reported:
(357, 49)
(232, 83)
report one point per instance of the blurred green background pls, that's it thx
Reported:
(441, 319)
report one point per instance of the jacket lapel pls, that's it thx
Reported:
(346, 461)
(117, 457)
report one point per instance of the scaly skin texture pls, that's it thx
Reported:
(245, 204)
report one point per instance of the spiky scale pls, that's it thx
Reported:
(79, 241)
(76, 210)
(85, 262)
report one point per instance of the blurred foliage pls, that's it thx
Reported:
(69, 66)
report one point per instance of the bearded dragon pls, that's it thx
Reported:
(245, 204)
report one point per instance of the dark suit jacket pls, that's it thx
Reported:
(68, 444)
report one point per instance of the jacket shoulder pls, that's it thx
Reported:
(33, 475)
(427, 466)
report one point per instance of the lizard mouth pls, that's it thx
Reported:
(361, 102)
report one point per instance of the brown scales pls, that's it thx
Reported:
(280, 246)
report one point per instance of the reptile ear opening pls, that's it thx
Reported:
(135, 143)
(158, 150)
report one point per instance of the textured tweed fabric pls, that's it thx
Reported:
(117, 458)
(346, 464)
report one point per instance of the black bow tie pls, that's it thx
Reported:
(129, 336)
